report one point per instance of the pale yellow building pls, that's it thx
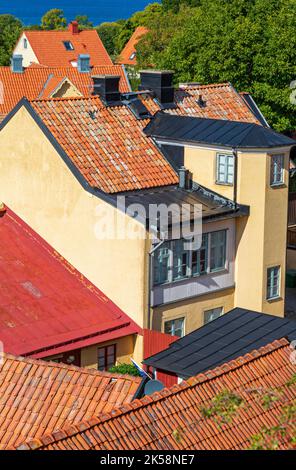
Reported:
(64, 163)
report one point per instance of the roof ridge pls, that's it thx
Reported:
(69, 367)
(155, 397)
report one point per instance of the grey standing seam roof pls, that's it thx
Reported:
(230, 336)
(226, 133)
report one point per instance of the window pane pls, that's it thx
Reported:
(174, 327)
(213, 314)
(180, 260)
(218, 250)
(200, 257)
(273, 282)
(225, 168)
(161, 264)
(277, 169)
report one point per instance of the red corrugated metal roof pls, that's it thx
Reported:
(46, 305)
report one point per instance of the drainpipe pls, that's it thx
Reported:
(234, 152)
(150, 281)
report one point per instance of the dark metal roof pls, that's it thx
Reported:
(230, 336)
(213, 204)
(214, 132)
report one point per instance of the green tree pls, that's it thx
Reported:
(174, 5)
(10, 29)
(84, 22)
(108, 33)
(125, 369)
(54, 19)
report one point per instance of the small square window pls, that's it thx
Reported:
(68, 46)
(225, 168)
(175, 327)
(211, 315)
(277, 170)
(273, 282)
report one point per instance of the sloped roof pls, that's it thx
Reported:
(218, 101)
(127, 55)
(152, 422)
(110, 148)
(37, 316)
(215, 132)
(234, 334)
(38, 397)
(49, 48)
(35, 82)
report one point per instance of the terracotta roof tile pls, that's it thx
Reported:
(19, 422)
(31, 301)
(39, 82)
(128, 54)
(219, 101)
(107, 144)
(151, 423)
(49, 48)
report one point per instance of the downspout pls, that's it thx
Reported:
(234, 152)
(150, 281)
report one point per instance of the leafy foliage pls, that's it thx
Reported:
(108, 33)
(247, 42)
(125, 369)
(84, 22)
(223, 407)
(54, 19)
(10, 29)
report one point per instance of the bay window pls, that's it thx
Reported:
(173, 262)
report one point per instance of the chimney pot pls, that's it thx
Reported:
(74, 27)
(17, 63)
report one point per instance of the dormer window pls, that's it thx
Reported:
(25, 43)
(68, 46)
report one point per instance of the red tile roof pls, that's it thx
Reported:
(49, 48)
(154, 422)
(37, 397)
(220, 101)
(108, 145)
(37, 317)
(127, 56)
(35, 82)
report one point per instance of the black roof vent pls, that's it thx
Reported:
(160, 82)
(201, 102)
(107, 87)
(137, 107)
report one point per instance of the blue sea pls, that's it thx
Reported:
(31, 11)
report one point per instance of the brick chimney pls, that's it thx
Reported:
(74, 27)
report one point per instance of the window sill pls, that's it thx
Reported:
(274, 299)
(223, 184)
(278, 186)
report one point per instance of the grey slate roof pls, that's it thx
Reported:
(214, 132)
(230, 336)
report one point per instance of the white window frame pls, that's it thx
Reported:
(189, 272)
(173, 320)
(212, 310)
(270, 294)
(277, 176)
(228, 178)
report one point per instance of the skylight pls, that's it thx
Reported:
(68, 46)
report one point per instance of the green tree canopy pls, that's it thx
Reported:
(250, 43)
(108, 33)
(54, 19)
(84, 22)
(10, 29)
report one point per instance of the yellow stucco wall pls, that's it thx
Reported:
(193, 310)
(202, 164)
(39, 187)
(261, 237)
(124, 350)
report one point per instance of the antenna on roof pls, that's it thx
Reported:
(153, 386)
